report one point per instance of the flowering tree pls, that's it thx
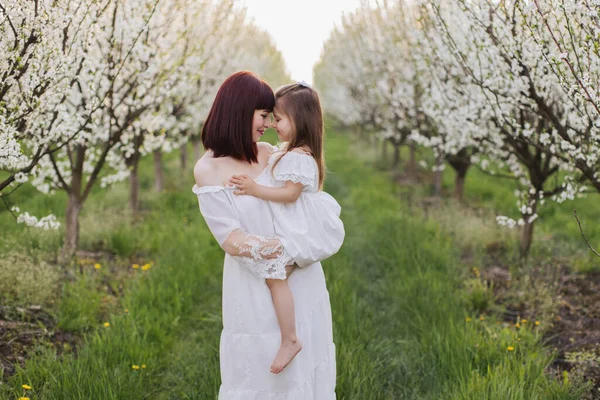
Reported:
(565, 34)
(491, 49)
(41, 54)
(88, 88)
(345, 76)
(477, 84)
(168, 43)
(449, 104)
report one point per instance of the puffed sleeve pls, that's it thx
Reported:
(298, 168)
(311, 229)
(264, 256)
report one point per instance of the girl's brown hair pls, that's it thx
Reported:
(302, 106)
(227, 130)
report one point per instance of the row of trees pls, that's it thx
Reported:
(511, 87)
(89, 87)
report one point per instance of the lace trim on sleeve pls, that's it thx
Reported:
(297, 168)
(259, 255)
(306, 181)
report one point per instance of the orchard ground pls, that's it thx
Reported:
(429, 297)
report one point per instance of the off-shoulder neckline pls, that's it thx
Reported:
(216, 188)
(209, 189)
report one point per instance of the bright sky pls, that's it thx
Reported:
(299, 28)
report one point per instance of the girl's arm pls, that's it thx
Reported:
(246, 185)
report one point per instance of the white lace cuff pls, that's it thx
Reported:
(265, 257)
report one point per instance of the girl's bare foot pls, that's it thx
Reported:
(286, 353)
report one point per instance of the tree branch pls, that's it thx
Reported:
(583, 234)
(11, 26)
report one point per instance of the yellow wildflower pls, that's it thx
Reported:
(476, 272)
(97, 266)
(146, 267)
(136, 367)
(135, 266)
(27, 387)
(523, 321)
(468, 319)
(106, 324)
(143, 366)
(23, 398)
(537, 323)
(510, 348)
(481, 318)
(126, 310)
(517, 325)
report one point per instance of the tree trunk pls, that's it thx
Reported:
(384, 150)
(374, 141)
(396, 161)
(74, 206)
(134, 189)
(459, 184)
(527, 233)
(412, 161)
(460, 163)
(197, 152)
(158, 171)
(438, 176)
(183, 156)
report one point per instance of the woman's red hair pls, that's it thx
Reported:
(227, 130)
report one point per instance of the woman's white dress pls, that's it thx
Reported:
(251, 336)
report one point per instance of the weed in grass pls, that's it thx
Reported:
(27, 280)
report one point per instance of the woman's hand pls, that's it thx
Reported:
(244, 185)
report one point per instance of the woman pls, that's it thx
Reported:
(244, 228)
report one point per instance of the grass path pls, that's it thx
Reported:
(399, 320)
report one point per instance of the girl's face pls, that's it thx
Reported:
(283, 125)
(259, 124)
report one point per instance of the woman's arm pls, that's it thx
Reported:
(243, 244)
(246, 185)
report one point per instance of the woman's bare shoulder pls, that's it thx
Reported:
(205, 171)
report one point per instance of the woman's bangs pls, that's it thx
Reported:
(265, 99)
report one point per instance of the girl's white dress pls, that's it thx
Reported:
(251, 336)
(310, 228)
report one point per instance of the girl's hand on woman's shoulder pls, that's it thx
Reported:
(244, 185)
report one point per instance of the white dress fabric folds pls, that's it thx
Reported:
(310, 228)
(251, 336)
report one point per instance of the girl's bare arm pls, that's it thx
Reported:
(248, 186)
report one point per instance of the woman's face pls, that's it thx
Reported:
(283, 125)
(260, 123)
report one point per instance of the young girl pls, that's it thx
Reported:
(306, 218)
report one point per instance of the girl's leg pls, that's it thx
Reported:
(286, 317)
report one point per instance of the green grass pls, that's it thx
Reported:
(399, 313)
